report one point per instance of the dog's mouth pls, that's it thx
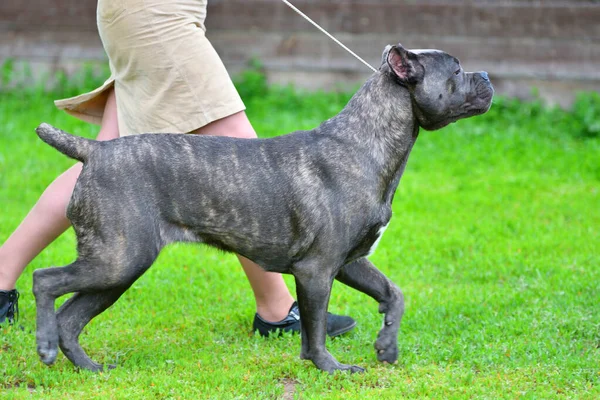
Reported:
(481, 102)
(478, 104)
(485, 92)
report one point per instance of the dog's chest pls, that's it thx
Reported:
(367, 244)
(379, 235)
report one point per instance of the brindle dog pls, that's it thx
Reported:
(313, 203)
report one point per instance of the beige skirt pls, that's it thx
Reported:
(167, 76)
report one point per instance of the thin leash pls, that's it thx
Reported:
(328, 34)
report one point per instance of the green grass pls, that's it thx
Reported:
(494, 241)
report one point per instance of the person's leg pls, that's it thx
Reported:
(47, 219)
(273, 299)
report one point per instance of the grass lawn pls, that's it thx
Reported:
(495, 242)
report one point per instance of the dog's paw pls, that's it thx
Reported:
(47, 352)
(387, 350)
(326, 362)
(355, 369)
(95, 367)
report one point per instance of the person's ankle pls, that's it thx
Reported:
(274, 311)
(6, 283)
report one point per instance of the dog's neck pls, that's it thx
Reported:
(387, 132)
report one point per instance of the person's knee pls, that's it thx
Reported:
(108, 133)
(56, 197)
(241, 126)
(52, 204)
(244, 134)
(236, 125)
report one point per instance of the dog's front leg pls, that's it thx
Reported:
(313, 287)
(363, 276)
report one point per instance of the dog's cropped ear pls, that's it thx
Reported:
(384, 55)
(405, 65)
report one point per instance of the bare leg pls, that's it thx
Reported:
(47, 219)
(273, 299)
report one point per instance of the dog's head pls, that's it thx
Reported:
(441, 91)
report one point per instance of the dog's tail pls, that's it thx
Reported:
(73, 146)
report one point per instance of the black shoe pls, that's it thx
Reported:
(336, 324)
(9, 305)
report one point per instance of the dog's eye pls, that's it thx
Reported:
(457, 72)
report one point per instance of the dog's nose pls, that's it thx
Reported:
(484, 75)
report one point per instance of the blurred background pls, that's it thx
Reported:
(551, 45)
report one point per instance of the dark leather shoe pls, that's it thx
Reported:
(336, 324)
(9, 305)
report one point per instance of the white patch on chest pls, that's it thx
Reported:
(379, 235)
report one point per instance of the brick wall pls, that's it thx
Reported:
(552, 45)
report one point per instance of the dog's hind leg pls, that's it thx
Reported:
(74, 315)
(49, 284)
(363, 276)
(98, 276)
